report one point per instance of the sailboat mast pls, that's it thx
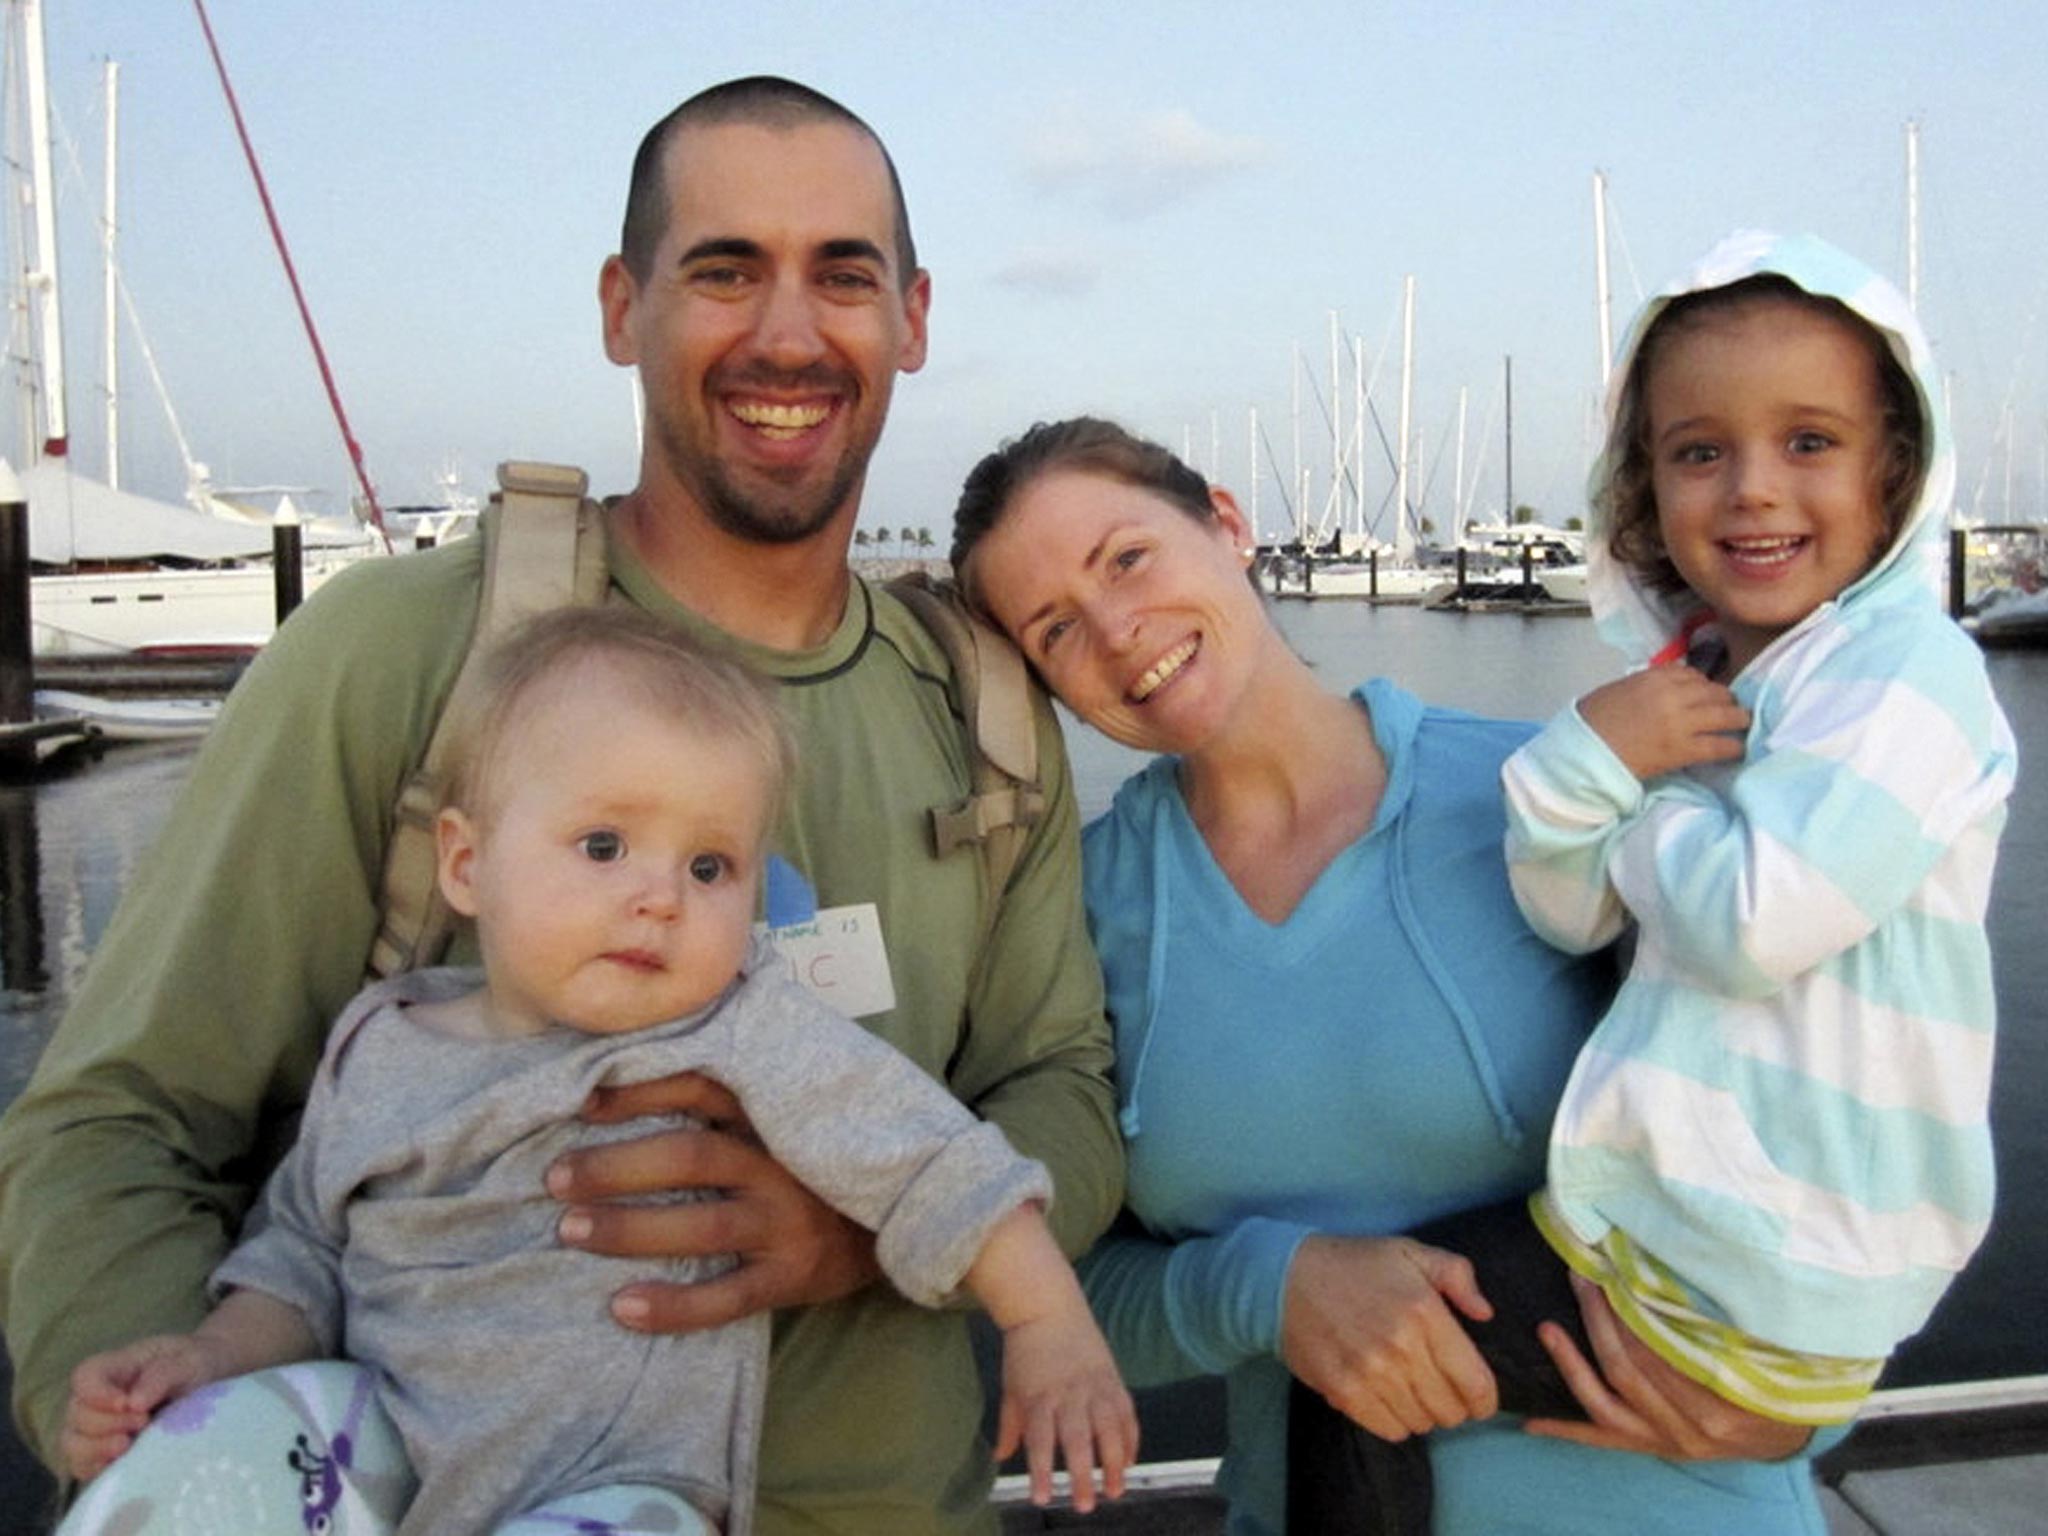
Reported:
(1358, 431)
(1602, 296)
(2010, 426)
(1407, 391)
(43, 275)
(1458, 500)
(1333, 512)
(112, 353)
(1507, 514)
(1252, 474)
(1913, 214)
(291, 273)
(1299, 486)
(20, 351)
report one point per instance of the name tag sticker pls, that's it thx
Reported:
(840, 956)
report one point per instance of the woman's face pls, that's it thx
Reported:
(1135, 613)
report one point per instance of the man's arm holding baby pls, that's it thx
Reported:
(794, 1249)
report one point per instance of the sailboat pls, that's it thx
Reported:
(115, 571)
(1350, 562)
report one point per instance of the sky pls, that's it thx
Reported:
(1136, 209)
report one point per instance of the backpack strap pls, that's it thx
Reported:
(1006, 795)
(544, 549)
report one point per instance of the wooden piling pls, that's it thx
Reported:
(287, 567)
(17, 674)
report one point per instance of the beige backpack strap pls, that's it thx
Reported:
(544, 548)
(1006, 795)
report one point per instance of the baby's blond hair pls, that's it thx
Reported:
(673, 675)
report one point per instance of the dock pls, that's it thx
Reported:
(84, 703)
(1526, 598)
(1967, 1460)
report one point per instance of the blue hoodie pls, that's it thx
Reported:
(1787, 1103)
(1390, 1053)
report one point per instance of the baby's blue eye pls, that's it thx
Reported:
(602, 847)
(706, 868)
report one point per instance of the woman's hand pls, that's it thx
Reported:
(1639, 1403)
(1366, 1326)
(793, 1249)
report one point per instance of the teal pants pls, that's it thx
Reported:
(306, 1449)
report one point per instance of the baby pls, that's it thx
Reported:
(606, 823)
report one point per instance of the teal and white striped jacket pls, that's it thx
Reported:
(1788, 1101)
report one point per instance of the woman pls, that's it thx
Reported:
(1332, 1024)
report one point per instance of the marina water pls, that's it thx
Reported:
(68, 845)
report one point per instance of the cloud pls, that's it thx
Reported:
(1051, 274)
(1137, 165)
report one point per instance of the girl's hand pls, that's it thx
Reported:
(1639, 1403)
(1366, 1325)
(1061, 1392)
(1665, 719)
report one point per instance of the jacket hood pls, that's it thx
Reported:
(1646, 625)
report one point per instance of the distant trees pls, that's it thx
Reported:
(883, 543)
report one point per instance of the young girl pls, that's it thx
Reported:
(606, 828)
(1773, 1155)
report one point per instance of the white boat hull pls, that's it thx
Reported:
(1357, 581)
(107, 613)
(129, 719)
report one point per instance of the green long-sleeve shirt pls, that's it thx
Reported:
(174, 1081)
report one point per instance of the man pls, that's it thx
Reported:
(768, 293)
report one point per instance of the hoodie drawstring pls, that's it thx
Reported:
(1155, 963)
(1504, 1117)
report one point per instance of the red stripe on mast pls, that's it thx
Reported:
(348, 437)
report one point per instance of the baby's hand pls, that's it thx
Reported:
(1061, 1391)
(1665, 719)
(114, 1394)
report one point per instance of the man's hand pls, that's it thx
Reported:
(1665, 719)
(793, 1249)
